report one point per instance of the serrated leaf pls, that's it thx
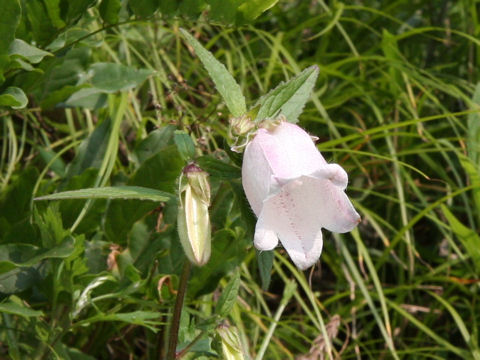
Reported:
(185, 145)
(13, 97)
(31, 53)
(109, 192)
(229, 296)
(223, 80)
(288, 98)
(111, 77)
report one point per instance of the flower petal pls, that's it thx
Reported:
(256, 175)
(333, 172)
(293, 216)
(286, 151)
(334, 210)
(265, 237)
(290, 150)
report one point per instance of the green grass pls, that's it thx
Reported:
(394, 104)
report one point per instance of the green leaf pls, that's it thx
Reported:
(265, 264)
(25, 255)
(109, 10)
(13, 97)
(54, 13)
(142, 318)
(108, 192)
(91, 151)
(70, 209)
(392, 54)
(42, 28)
(185, 145)
(191, 8)
(9, 19)
(224, 10)
(228, 251)
(473, 132)
(249, 10)
(19, 279)
(15, 200)
(469, 237)
(473, 172)
(90, 98)
(57, 166)
(76, 9)
(19, 310)
(218, 168)
(229, 296)
(31, 53)
(157, 140)
(223, 80)
(288, 98)
(111, 77)
(144, 8)
(160, 172)
(61, 78)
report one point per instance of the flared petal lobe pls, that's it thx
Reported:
(293, 217)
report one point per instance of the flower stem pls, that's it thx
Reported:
(177, 311)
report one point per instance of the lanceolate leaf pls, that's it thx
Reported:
(224, 81)
(288, 98)
(119, 192)
(229, 296)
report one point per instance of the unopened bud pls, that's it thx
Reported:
(193, 220)
(231, 347)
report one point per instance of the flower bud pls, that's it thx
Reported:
(193, 220)
(231, 347)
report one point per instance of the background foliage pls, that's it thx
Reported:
(102, 93)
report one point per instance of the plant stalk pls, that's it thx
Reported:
(177, 311)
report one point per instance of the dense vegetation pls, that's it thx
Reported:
(112, 93)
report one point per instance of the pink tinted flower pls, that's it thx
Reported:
(294, 193)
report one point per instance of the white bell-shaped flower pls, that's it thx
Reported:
(294, 192)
